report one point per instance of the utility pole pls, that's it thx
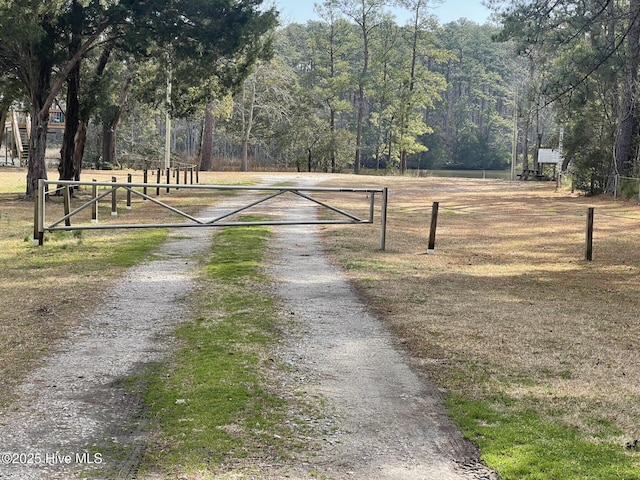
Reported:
(167, 123)
(514, 145)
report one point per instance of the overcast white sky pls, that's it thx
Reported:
(299, 11)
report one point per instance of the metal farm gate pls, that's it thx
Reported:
(131, 189)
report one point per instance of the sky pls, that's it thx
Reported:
(299, 11)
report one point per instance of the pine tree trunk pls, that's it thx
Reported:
(332, 127)
(110, 128)
(248, 126)
(108, 145)
(525, 142)
(72, 114)
(72, 119)
(78, 149)
(40, 102)
(361, 97)
(208, 126)
(403, 161)
(624, 151)
(412, 81)
(3, 120)
(358, 156)
(37, 168)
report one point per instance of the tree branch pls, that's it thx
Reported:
(57, 86)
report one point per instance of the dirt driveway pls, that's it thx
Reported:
(388, 421)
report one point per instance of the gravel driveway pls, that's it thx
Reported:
(389, 421)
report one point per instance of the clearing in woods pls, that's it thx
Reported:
(506, 309)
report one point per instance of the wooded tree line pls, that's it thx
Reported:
(355, 88)
(345, 92)
(444, 96)
(583, 59)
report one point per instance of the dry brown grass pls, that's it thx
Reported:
(507, 305)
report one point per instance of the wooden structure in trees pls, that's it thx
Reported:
(17, 129)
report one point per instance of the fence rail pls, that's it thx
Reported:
(64, 223)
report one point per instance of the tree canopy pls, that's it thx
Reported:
(41, 43)
(431, 96)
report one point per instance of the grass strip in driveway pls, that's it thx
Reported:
(212, 406)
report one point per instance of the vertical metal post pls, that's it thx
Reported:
(197, 175)
(372, 206)
(38, 230)
(588, 252)
(36, 212)
(168, 179)
(145, 180)
(66, 198)
(94, 205)
(42, 193)
(185, 175)
(114, 199)
(383, 218)
(191, 173)
(178, 176)
(42, 199)
(434, 225)
(158, 183)
(128, 207)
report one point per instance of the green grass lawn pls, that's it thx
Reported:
(516, 441)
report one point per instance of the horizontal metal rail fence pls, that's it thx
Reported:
(140, 189)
